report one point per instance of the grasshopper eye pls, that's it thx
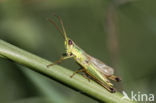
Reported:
(70, 42)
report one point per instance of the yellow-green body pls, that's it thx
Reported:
(91, 66)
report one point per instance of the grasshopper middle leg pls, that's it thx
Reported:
(79, 70)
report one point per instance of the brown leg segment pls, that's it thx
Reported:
(85, 76)
(79, 70)
(56, 62)
(60, 60)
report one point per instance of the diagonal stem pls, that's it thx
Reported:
(59, 74)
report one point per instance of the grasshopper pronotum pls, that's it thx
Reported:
(91, 66)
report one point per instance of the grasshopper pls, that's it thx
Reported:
(90, 66)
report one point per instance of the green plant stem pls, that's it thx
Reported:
(59, 74)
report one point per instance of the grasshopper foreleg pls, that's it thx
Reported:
(61, 59)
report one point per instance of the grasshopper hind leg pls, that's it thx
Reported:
(108, 87)
(86, 75)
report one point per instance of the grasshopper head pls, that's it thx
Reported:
(69, 43)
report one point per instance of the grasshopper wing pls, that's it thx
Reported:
(101, 67)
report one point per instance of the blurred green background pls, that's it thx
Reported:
(122, 33)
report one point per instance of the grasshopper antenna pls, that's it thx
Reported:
(62, 32)
(61, 22)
